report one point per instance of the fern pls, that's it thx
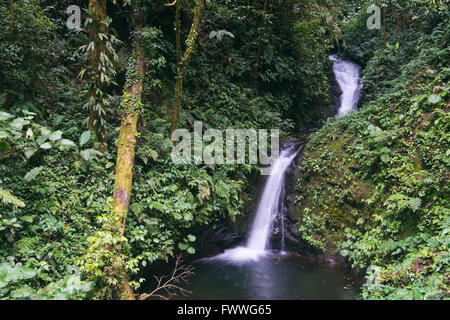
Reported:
(2, 99)
(27, 244)
(7, 197)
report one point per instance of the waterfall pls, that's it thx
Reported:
(282, 214)
(269, 206)
(271, 203)
(348, 77)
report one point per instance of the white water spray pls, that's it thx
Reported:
(348, 77)
(268, 209)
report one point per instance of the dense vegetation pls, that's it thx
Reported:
(90, 196)
(255, 65)
(374, 184)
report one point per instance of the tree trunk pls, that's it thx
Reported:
(177, 30)
(183, 64)
(131, 104)
(97, 110)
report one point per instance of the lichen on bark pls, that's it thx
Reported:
(131, 112)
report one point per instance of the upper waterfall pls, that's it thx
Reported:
(348, 77)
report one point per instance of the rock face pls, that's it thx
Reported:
(211, 242)
(230, 234)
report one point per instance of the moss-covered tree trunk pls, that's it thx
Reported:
(131, 105)
(127, 138)
(183, 64)
(97, 9)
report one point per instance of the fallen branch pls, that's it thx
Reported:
(168, 286)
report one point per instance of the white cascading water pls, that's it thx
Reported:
(348, 77)
(268, 208)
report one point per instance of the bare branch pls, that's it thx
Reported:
(168, 286)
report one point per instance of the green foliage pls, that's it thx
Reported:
(19, 63)
(15, 280)
(36, 55)
(46, 229)
(7, 197)
(375, 183)
(100, 75)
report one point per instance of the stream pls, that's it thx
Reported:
(252, 271)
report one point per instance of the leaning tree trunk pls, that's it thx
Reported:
(97, 110)
(183, 64)
(131, 105)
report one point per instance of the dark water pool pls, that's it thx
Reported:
(276, 277)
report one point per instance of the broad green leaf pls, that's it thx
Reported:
(18, 123)
(177, 216)
(45, 131)
(89, 154)
(29, 133)
(46, 146)
(55, 135)
(434, 99)
(23, 292)
(28, 219)
(136, 208)
(41, 139)
(86, 154)
(191, 250)
(33, 173)
(27, 273)
(109, 165)
(65, 144)
(58, 120)
(29, 152)
(28, 113)
(85, 138)
(4, 116)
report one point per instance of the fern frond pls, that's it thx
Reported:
(27, 244)
(7, 197)
(2, 99)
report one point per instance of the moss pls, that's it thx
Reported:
(330, 186)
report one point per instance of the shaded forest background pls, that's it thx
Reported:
(74, 127)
